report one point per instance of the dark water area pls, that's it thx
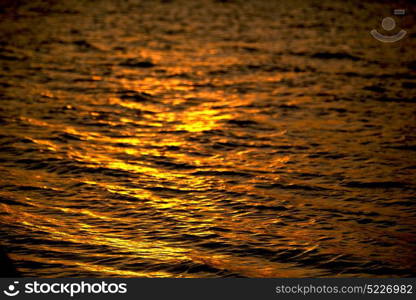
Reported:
(207, 139)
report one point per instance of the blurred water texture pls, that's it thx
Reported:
(207, 139)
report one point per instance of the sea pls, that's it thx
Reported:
(208, 138)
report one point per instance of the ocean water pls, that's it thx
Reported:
(207, 139)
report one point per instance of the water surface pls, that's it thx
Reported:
(207, 139)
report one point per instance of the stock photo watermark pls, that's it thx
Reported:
(389, 24)
(12, 290)
(70, 289)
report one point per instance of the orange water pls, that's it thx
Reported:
(207, 139)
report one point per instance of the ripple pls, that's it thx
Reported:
(154, 140)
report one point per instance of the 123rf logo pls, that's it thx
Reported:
(70, 289)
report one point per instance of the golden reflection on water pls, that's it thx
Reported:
(170, 151)
(243, 226)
